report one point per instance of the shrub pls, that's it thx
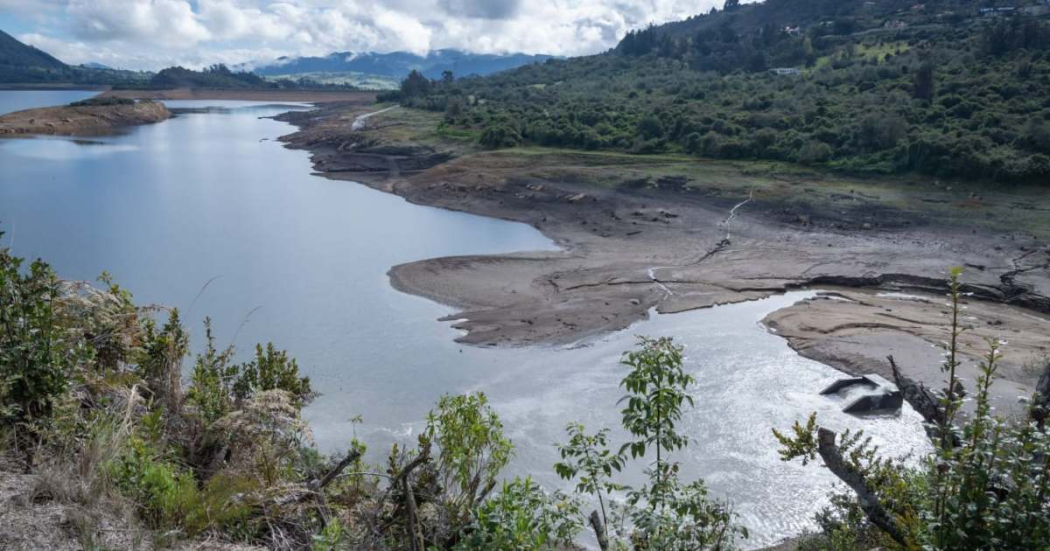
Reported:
(473, 449)
(522, 517)
(160, 490)
(814, 152)
(38, 352)
(271, 369)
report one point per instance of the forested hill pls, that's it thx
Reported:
(23, 64)
(946, 88)
(16, 54)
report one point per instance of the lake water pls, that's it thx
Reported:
(18, 100)
(208, 213)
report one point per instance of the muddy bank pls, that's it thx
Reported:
(629, 247)
(855, 330)
(83, 119)
(304, 96)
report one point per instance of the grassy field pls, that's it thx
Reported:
(878, 51)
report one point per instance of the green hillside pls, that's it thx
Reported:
(888, 87)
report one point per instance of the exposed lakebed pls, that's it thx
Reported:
(206, 212)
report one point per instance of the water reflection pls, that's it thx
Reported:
(57, 148)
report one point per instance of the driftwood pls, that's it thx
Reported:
(924, 401)
(869, 502)
(599, 530)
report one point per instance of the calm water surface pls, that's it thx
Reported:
(18, 100)
(207, 213)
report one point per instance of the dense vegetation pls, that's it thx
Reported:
(883, 87)
(94, 403)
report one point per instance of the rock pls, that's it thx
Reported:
(879, 394)
(803, 219)
(867, 225)
(577, 198)
(635, 302)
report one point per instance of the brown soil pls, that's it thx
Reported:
(94, 119)
(629, 247)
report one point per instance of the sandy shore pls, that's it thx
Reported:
(629, 249)
(82, 120)
(299, 96)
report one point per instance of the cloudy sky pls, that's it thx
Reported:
(150, 34)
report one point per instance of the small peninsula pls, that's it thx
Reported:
(92, 116)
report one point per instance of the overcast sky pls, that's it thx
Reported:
(150, 34)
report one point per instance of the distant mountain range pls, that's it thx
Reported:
(398, 64)
(24, 64)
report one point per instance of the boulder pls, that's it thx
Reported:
(878, 395)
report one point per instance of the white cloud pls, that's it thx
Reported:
(149, 34)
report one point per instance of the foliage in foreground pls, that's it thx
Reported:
(985, 486)
(93, 401)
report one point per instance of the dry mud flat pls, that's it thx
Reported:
(82, 120)
(856, 329)
(629, 249)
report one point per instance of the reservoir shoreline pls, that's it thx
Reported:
(627, 250)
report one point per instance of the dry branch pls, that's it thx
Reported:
(869, 502)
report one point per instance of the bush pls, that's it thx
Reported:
(814, 152)
(522, 517)
(162, 492)
(38, 352)
(98, 101)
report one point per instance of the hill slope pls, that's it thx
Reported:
(22, 63)
(16, 54)
(886, 87)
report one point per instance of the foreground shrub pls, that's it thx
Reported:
(522, 516)
(38, 353)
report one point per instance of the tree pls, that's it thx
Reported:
(650, 127)
(656, 392)
(415, 85)
(589, 458)
(924, 83)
